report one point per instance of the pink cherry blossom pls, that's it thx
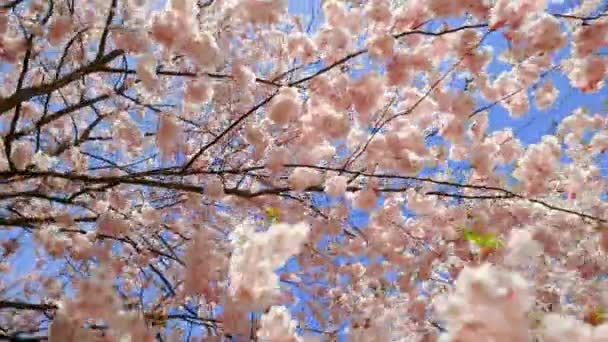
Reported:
(276, 325)
(365, 199)
(336, 186)
(145, 71)
(545, 33)
(262, 11)
(109, 224)
(379, 11)
(302, 170)
(381, 46)
(587, 38)
(367, 94)
(59, 28)
(545, 95)
(302, 178)
(285, 106)
(198, 91)
(167, 136)
(203, 51)
(22, 155)
(131, 41)
(587, 73)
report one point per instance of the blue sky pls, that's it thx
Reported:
(529, 128)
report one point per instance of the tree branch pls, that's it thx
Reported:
(26, 94)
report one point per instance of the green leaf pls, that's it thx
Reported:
(272, 215)
(482, 239)
(469, 235)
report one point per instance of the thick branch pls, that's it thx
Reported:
(187, 74)
(26, 94)
(106, 30)
(5, 304)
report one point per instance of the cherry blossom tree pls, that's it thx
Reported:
(188, 170)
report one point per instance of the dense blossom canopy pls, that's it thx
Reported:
(187, 170)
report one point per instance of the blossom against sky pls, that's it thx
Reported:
(370, 170)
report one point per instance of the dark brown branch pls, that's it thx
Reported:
(63, 112)
(576, 17)
(66, 51)
(11, 4)
(8, 140)
(163, 279)
(226, 131)
(35, 194)
(30, 221)
(477, 197)
(511, 94)
(188, 74)
(106, 30)
(413, 107)
(16, 338)
(83, 137)
(26, 94)
(5, 304)
(505, 193)
(363, 51)
(131, 179)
